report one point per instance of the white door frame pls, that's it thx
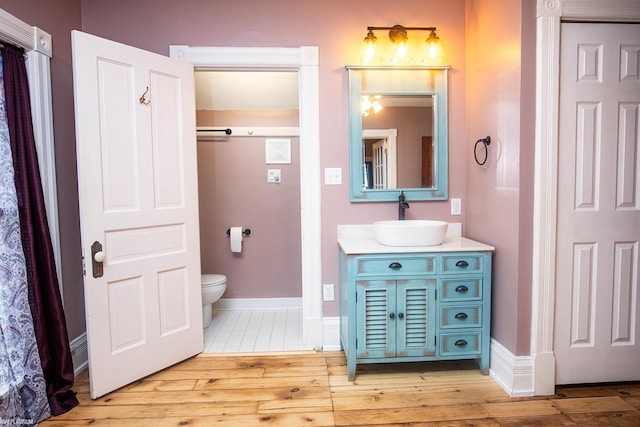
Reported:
(304, 60)
(550, 14)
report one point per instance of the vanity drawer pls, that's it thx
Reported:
(460, 344)
(463, 263)
(469, 289)
(467, 316)
(397, 265)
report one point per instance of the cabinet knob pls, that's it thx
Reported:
(461, 343)
(462, 264)
(401, 315)
(395, 266)
(461, 316)
(462, 289)
(392, 315)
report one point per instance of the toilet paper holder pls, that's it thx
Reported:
(246, 232)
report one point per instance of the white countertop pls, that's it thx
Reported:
(360, 239)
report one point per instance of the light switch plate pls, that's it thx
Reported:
(332, 176)
(274, 176)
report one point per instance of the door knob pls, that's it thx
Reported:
(97, 257)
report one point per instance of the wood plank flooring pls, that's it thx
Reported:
(311, 389)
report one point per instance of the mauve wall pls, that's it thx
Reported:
(338, 28)
(58, 18)
(233, 191)
(500, 46)
(501, 103)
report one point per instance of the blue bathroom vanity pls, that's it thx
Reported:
(408, 304)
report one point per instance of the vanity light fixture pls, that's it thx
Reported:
(398, 35)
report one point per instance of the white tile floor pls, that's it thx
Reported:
(247, 331)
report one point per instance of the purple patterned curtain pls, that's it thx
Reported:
(44, 296)
(23, 394)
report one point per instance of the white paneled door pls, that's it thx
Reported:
(597, 324)
(136, 150)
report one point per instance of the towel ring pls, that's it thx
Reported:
(485, 143)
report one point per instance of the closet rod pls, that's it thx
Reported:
(227, 130)
(205, 132)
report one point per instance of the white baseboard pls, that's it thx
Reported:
(331, 333)
(258, 304)
(513, 373)
(79, 354)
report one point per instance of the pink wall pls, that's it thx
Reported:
(233, 191)
(489, 45)
(338, 28)
(500, 102)
(58, 18)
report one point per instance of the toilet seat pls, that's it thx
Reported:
(213, 280)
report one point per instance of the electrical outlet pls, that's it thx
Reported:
(328, 292)
(456, 207)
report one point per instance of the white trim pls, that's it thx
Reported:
(331, 331)
(305, 60)
(513, 373)
(550, 14)
(258, 304)
(79, 353)
(37, 45)
(391, 135)
(24, 35)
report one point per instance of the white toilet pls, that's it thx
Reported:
(213, 286)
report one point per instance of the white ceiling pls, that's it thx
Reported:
(246, 90)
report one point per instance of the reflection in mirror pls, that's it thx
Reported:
(411, 145)
(398, 133)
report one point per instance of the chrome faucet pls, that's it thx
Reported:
(402, 205)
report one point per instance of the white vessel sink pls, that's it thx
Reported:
(413, 232)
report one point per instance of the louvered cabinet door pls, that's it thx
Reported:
(416, 317)
(376, 318)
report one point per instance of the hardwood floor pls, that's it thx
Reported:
(311, 389)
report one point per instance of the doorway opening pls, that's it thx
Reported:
(304, 60)
(247, 124)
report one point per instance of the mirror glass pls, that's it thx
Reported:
(398, 133)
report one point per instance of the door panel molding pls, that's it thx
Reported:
(550, 15)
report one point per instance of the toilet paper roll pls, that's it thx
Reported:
(235, 239)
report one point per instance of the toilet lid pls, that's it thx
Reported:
(213, 279)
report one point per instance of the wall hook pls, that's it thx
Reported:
(142, 99)
(485, 143)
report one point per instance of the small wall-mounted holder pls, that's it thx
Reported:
(246, 232)
(485, 143)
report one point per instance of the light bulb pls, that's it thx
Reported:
(370, 51)
(402, 51)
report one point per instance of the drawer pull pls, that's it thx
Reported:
(461, 316)
(395, 266)
(462, 264)
(462, 289)
(461, 343)
(392, 315)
